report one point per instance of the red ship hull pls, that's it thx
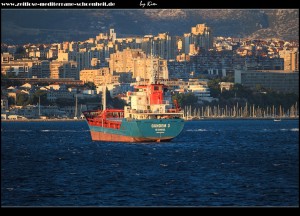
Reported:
(101, 136)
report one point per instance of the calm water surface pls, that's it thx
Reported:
(211, 163)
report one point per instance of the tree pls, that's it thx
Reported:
(11, 101)
(41, 96)
(90, 85)
(214, 87)
(20, 52)
(22, 99)
(61, 102)
(185, 99)
(189, 99)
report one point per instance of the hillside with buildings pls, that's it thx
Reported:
(61, 79)
(48, 26)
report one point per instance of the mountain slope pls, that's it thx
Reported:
(47, 26)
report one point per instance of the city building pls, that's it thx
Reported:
(137, 62)
(18, 68)
(98, 76)
(6, 58)
(4, 103)
(40, 69)
(226, 86)
(66, 81)
(280, 81)
(201, 36)
(63, 69)
(291, 59)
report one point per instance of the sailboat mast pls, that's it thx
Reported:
(39, 105)
(75, 107)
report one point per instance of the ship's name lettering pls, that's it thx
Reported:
(160, 129)
(158, 125)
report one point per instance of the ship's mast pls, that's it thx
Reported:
(152, 78)
(152, 75)
(104, 97)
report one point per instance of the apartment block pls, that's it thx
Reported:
(291, 59)
(63, 69)
(280, 81)
(98, 76)
(136, 62)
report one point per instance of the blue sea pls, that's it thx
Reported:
(211, 163)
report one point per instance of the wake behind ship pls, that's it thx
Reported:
(149, 118)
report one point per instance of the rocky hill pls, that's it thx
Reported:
(47, 26)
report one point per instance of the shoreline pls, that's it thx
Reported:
(244, 118)
(39, 120)
(210, 118)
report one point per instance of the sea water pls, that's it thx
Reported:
(211, 163)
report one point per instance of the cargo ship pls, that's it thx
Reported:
(148, 118)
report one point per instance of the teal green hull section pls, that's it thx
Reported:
(145, 129)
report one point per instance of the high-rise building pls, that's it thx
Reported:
(98, 76)
(163, 45)
(40, 69)
(63, 69)
(291, 59)
(201, 36)
(137, 62)
(112, 35)
(186, 43)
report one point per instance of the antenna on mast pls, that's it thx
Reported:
(152, 76)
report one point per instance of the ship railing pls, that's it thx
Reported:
(157, 111)
(143, 111)
(172, 110)
(114, 119)
(91, 114)
(106, 123)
